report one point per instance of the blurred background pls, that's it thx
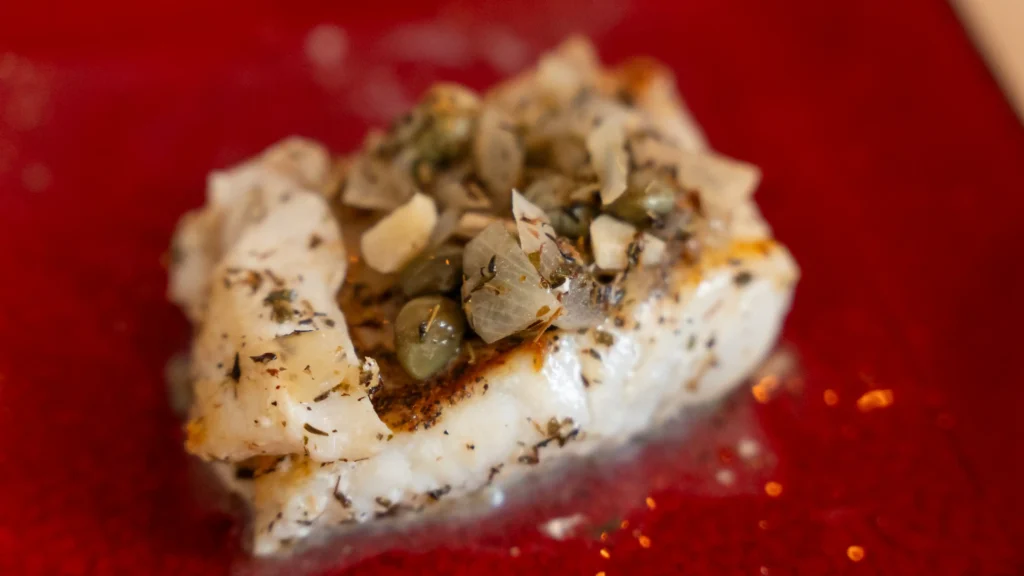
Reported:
(894, 163)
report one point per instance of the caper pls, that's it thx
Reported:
(572, 221)
(548, 191)
(445, 137)
(642, 202)
(407, 126)
(436, 272)
(428, 333)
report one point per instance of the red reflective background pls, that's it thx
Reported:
(894, 170)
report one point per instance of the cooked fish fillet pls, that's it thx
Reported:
(309, 427)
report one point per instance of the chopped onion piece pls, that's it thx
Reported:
(446, 227)
(654, 152)
(452, 193)
(536, 235)
(611, 238)
(564, 72)
(579, 303)
(373, 184)
(585, 193)
(499, 158)
(473, 223)
(723, 183)
(391, 243)
(503, 292)
(607, 147)
(575, 286)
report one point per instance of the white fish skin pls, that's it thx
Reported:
(668, 353)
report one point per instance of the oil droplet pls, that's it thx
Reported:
(764, 388)
(874, 399)
(624, 525)
(650, 503)
(599, 574)
(762, 524)
(645, 542)
(605, 554)
(514, 551)
(855, 553)
(773, 489)
(831, 398)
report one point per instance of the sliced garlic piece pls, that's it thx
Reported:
(607, 147)
(611, 238)
(391, 243)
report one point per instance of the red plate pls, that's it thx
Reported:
(894, 170)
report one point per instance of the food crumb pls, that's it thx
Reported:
(855, 553)
(874, 399)
(831, 398)
(773, 489)
(764, 388)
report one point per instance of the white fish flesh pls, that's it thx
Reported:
(297, 421)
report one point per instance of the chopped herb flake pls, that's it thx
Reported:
(236, 370)
(313, 430)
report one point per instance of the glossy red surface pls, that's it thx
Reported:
(893, 169)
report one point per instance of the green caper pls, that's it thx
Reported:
(548, 191)
(428, 333)
(445, 137)
(642, 202)
(436, 272)
(405, 128)
(572, 221)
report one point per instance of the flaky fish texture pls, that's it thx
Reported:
(293, 403)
